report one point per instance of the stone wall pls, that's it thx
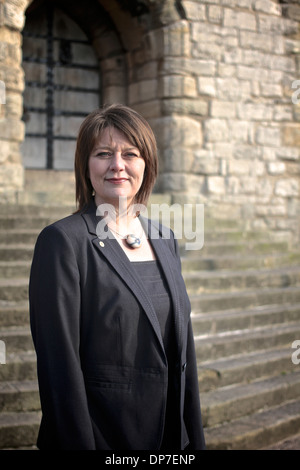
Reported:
(215, 79)
(228, 130)
(11, 74)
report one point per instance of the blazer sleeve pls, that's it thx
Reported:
(54, 296)
(192, 410)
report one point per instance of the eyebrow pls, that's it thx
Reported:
(107, 147)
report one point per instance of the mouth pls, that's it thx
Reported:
(117, 180)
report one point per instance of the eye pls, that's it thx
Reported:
(103, 155)
(130, 155)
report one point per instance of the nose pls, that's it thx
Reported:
(117, 162)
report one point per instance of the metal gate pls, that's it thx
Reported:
(62, 83)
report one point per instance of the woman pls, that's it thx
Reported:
(110, 316)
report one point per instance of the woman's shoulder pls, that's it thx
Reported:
(68, 226)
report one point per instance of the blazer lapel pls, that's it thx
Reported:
(111, 250)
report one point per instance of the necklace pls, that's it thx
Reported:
(132, 240)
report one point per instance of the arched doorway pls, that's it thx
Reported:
(62, 85)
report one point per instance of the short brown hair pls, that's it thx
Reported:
(138, 132)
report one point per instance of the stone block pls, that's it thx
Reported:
(222, 109)
(205, 164)
(177, 86)
(188, 66)
(268, 210)
(11, 176)
(283, 63)
(291, 134)
(256, 58)
(185, 106)
(288, 153)
(232, 89)
(13, 78)
(172, 131)
(233, 185)
(270, 136)
(194, 11)
(227, 70)
(114, 94)
(264, 187)
(216, 185)
(287, 187)
(267, 6)
(247, 152)
(261, 41)
(143, 91)
(205, 50)
(254, 111)
(215, 14)
(276, 168)
(283, 113)
(5, 149)
(176, 182)
(221, 149)
(240, 131)
(216, 130)
(176, 40)
(207, 86)
(149, 109)
(238, 167)
(14, 105)
(239, 19)
(179, 159)
(247, 184)
(12, 129)
(14, 16)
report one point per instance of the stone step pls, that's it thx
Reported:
(233, 248)
(234, 401)
(227, 262)
(16, 252)
(19, 366)
(21, 223)
(257, 430)
(17, 269)
(29, 236)
(27, 211)
(244, 368)
(19, 396)
(204, 303)
(229, 280)
(21, 268)
(16, 236)
(289, 443)
(19, 429)
(14, 289)
(24, 251)
(17, 339)
(14, 313)
(235, 319)
(233, 343)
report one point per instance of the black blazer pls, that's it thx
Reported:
(102, 368)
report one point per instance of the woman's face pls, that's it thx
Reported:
(116, 168)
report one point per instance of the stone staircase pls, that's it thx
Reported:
(245, 295)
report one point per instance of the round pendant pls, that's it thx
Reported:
(133, 241)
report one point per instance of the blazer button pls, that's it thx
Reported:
(183, 367)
